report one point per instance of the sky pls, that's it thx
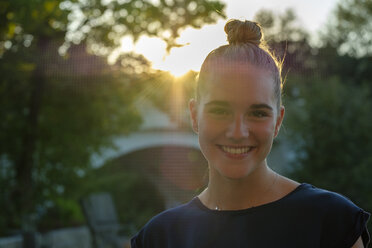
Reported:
(312, 14)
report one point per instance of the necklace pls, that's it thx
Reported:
(266, 191)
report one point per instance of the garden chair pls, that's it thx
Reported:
(101, 216)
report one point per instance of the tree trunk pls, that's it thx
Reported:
(23, 195)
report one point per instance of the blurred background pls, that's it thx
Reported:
(94, 96)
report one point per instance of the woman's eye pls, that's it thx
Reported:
(259, 114)
(219, 111)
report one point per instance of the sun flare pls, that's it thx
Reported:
(179, 60)
(201, 41)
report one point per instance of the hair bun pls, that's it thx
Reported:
(240, 32)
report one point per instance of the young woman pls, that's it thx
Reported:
(237, 114)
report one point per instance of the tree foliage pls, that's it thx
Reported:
(77, 116)
(331, 123)
(280, 27)
(57, 111)
(350, 28)
(101, 24)
(288, 40)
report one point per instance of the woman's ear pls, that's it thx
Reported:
(193, 106)
(279, 120)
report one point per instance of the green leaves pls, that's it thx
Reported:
(164, 19)
(331, 127)
(350, 28)
(104, 22)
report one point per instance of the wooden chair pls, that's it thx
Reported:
(101, 216)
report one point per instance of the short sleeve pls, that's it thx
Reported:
(360, 229)
(344, 223)
(152, 235)
(136, 241)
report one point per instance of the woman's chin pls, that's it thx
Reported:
(235, 172)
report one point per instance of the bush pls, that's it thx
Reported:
(330, 122)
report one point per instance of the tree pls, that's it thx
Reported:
(288, 40)
(101, 24)
(81, 110)
(40, 127)
(346, 43)
(350, 28)
(329, 121)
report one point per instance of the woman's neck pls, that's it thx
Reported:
(234, 194)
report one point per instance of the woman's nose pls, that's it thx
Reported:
(238, 129)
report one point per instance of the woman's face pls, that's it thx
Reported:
(237, 119)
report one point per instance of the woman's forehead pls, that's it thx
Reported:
(236, 73)
(225, 69)
(250, 86)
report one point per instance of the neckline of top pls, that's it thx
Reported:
(198, 202)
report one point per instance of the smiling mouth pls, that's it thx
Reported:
(241, 150)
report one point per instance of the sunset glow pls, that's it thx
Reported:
(199, 42)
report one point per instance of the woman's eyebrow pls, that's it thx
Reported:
(226, 104)
(218, 103)
(261, 105)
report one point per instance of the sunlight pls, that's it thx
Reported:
(177, 100)
(127, 44)
(177, 62)
(180, 60)
(199, 42)
(152, 48)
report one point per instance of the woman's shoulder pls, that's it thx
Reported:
(295, 194)
(157, 230)
(170, 217)
(308, 193)
(325, 204)
(342, 221)
(330, 201)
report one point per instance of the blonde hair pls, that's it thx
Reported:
(246, 46)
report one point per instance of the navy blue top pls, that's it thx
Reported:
(306, 217)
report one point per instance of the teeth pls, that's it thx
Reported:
(234, 150)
